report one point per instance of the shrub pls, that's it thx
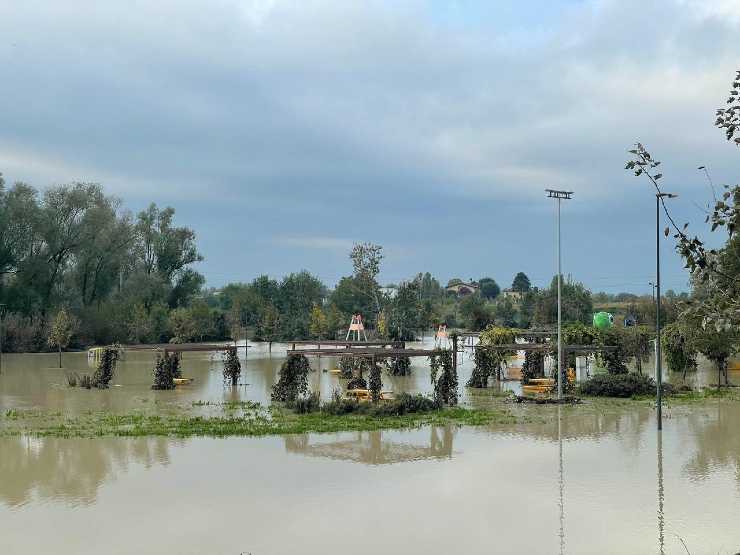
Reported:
(445, 388)
(106, 367)
(232, 367)
(405, 403)
(166, 370)
(304, 405)
(620, 385)
(375, 383)
(293, 381)
(346, 365)
(400, 366)
(72, 379)
(357, 382)
(86, 381)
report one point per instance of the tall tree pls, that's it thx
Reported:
(489, 289)
(521, 283)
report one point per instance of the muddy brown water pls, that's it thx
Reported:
(575, 481)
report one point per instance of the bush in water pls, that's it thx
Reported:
(106, 367)
(621, 385)
(293, 382)
(166, 370)
(232, 367)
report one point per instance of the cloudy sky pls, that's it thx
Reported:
(282, 131)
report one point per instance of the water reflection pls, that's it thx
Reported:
(661, 516)
(70, 470)
(370, 447)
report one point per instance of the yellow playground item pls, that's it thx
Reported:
(183, 381)
(366, 395)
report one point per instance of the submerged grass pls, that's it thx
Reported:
(256, 421)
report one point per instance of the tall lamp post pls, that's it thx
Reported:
(559, 195)
(658, 363)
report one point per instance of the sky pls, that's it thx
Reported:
(285, 131)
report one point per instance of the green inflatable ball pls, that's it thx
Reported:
(603, 320)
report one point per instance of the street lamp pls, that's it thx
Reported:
(652, 286)
(658, 364)
(560, 195)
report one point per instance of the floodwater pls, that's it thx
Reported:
(574, 481)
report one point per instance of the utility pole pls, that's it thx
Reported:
(652, 285)
(559, 195)
(658, 363)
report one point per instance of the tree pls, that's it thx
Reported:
(62, 330)
(475, 313)
(489, 289)
(575, 299)
(521, 283)
(404, 312)
(366, 259)
(319, 323)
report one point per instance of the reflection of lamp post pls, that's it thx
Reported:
(661, 519)
(2, 313)
(659, 378)
(562, 486)
(560, 195)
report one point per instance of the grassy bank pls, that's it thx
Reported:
(247, 420)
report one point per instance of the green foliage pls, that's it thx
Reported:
(166, 369)
(445, 387)
(305, 405)
(293, 381)
(679, 351)
(375, 383)
(404, 403)
(615, 359)
(62, 329)
(347, 363)
(489, 289)
(400, 366)
(106, 367)
(619, 385)
(232, 367)
(577, 305)
(318, 326)
(637, 344)
(533, 367)
(475, 312)
(488, 361)
(521, 283)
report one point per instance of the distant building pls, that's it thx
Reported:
(462, 289)
(512, 295)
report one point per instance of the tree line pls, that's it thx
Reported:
(116, 276)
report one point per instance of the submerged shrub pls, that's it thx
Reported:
(357, 382)
(400, 366)
(232, 367)
(620, 385)
(72, 379)
(347, 363)
(293, 382)
(445, 387)
(106, 367)
(405, 403)
(86, 381)
(167, 368)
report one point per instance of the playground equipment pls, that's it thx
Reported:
(356, 327)
(442, 338)
(603, 320)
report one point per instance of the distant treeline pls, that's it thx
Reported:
(121, 277)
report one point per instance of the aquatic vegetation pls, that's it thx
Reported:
(257, 422)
